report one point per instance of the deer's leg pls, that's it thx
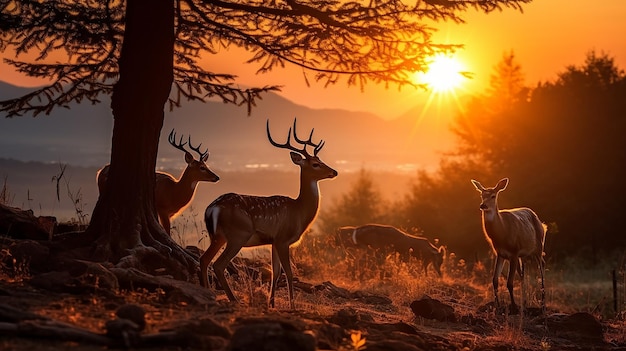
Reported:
(276, 273)
(514, 262)
(205, 260)
(283, 255)
(496, 276)
(232, 249)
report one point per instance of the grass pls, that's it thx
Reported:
(571, 286)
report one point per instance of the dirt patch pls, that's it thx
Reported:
(37, 319)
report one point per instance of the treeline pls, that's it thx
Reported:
(561, 143)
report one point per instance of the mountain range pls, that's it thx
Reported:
(81, 135)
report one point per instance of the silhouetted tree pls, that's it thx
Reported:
(561, 145)
(361, 204)
(579, 146)
(481, 129)
(137, 50)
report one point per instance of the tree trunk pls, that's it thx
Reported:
(124, 222)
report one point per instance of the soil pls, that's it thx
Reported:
(38, 319)
(82, 305)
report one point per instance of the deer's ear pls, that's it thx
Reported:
(502, 184)
(205, 157)
(296, 158)
(188, 158)
(477, 185)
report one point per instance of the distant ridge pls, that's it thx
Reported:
(81, 135)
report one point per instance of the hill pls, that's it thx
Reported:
(81, 135)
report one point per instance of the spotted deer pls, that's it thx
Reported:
(173, 195)
(240, 221)
(514, 234)
(391, 239)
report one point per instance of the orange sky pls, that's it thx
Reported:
(548, 36)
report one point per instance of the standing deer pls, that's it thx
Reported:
(388, 238)
(172, 196)
(514, 234)
(244, 220)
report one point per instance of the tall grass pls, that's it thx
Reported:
(6, 198)
(572, 285)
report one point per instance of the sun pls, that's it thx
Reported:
(444, 74)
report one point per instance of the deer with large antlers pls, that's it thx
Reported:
(171, 195)
(514, 235)
(240, 221)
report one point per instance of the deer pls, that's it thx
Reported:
(239, 221)
(172, 195)
(388, 238)
(514, 235)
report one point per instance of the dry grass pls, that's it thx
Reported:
(318, 258)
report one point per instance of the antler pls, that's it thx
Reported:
(197, 149)
(180, 145)
(287, 145)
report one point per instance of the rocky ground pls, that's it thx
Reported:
(62, 311)
(82, 305)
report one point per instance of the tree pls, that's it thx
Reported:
(562, 143)
(361, 204)
(137, 50)
(480, 129)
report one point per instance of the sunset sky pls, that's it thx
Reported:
(546, 37)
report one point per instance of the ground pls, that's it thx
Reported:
(345, 300)
(327, 317)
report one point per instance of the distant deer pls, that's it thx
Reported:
(514, 234)
(244, 220)
(386, 238)
(172, 196)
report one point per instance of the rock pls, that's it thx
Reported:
(371, 299)
(29, 255)
(577, 327)
(67, 227)
(57, 281)
(134, 313)
(349, 318)
(77, 277)
(206, 326)
(121, 328)
(429, 308)
(49, 224)
(176, 291)
(19, 224)
(271, 336)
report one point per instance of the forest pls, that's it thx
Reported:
(559, 142)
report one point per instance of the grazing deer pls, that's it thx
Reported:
(244, 220)
(514, 235)
(388, 238)
(171, 195)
